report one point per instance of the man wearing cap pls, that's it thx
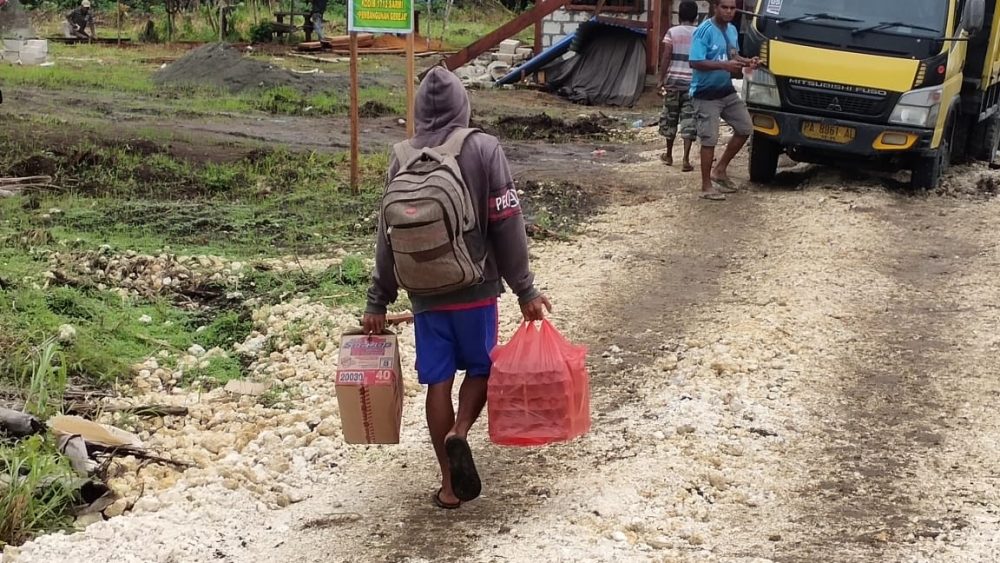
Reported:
(79, 20)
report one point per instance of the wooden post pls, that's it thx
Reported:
(119, 24)
(355, 118)
(411, 79)
(655, 36)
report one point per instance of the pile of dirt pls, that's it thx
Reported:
(220, 66)
(543, 127)
(556, 209)
(374, 109)
(981, 184)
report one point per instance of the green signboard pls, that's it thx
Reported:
(381, 16)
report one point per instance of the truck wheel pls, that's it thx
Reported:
(928, 169)
(963, 146)
(986, 139)
(764, 154)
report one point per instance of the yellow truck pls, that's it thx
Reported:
(905, 84)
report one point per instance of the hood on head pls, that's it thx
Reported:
(441, 102)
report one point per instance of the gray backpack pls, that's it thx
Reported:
(430, 221)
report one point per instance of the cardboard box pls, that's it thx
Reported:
(370, 388)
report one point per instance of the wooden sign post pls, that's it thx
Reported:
(355, 115)
(378, 16)
(411, 81)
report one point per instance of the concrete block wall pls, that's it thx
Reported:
(564, 22)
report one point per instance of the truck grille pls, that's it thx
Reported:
(837, 102)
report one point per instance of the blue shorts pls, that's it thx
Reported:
(450, 341)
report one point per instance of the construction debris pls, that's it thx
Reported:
(493, 65)
(26, 52)
(14, 424)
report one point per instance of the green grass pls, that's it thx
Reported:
(125, 75)
(115, 78)
(37, 490)
(46, 382)
(218, 371)
(267, 203)
(226, 329)
(109, 335)
(264, 205)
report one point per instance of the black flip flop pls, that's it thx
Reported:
(445, 505)
(464, 478)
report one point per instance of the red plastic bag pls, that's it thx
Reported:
(539, 392)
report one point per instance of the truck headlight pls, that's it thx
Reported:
(760, 88)
(918, 108)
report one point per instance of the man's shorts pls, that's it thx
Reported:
(451, 341)
(677, 111)
(708, 112)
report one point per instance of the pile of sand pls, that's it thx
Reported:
(219, 65)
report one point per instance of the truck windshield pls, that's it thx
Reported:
(913, 17)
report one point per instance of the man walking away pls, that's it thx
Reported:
(79, 21)
(675, 83)
(714, 57)
(455, 313)
(318, 9)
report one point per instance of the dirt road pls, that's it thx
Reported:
(801, 373)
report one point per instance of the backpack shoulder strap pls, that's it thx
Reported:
(404, 152)
(453, 146)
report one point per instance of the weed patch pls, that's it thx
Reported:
(212, 373)
(37, 490)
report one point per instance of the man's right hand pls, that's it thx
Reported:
(734, 66)
(373, 324)
(534, 310)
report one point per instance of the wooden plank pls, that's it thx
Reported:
(653, 38)
(317, 59)
(505, 31)
(355, 115)
(411, 79)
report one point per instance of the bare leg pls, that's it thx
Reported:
(736, 143)
(668, 157)
(440, 421)
(707, 156)
(687, 167)
(471, 400)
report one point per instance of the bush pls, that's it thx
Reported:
(262, 33)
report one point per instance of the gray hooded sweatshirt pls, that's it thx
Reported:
(441, 106)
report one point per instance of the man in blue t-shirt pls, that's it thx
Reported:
(714, 58)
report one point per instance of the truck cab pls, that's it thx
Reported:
(892, 84)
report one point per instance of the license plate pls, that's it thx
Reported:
(830, 133)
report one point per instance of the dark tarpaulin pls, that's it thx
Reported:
(609, 67)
